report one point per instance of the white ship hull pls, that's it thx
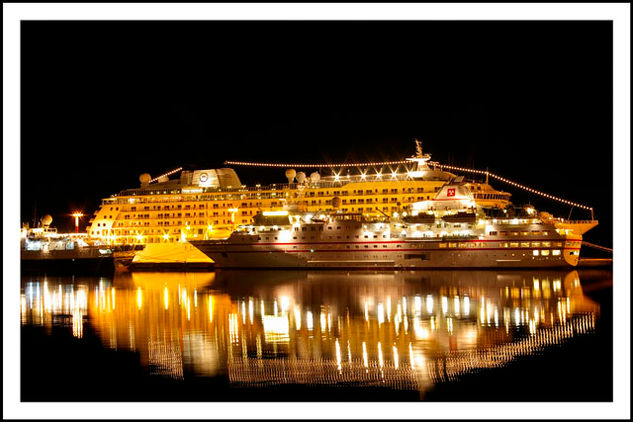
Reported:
(391, 254)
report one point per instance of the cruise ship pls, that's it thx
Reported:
(450, 230)
(166, 212)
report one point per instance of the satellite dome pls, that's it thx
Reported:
(47, 220)
(315, 177)
(290, 175)
(144, 178)
(301, 177)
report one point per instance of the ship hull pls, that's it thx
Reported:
(387, 255)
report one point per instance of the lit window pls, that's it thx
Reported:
(556, 252)
(535, 252)
(545, 252)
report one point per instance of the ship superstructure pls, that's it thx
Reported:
(209, 204)
(448, 231)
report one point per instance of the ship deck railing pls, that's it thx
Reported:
(562, 220)
(265, 192)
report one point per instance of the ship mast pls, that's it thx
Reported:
(420, 159)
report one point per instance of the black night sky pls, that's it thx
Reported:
(103, 102)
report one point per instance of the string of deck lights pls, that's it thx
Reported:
(313, 165)
(383, 163)
(518, 185)
(169, 173)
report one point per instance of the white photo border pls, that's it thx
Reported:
(618, 13)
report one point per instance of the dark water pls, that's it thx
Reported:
(324, 336)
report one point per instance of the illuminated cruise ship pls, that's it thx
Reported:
(164, 214)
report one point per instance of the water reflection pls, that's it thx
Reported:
(404, 330)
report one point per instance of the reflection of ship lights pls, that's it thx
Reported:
(309, 321)
(365, 361)
(270, 353)
(139, 298)
(297, 318)
(276, 329)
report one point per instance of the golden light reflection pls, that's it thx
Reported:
(309, 321)
(396, 362)
(365, 358)
(257, 348)
(298, 318)
(418, 304)
(139, 298)
(210, 309)
(250, 309)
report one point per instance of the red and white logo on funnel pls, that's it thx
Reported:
(450, 192)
